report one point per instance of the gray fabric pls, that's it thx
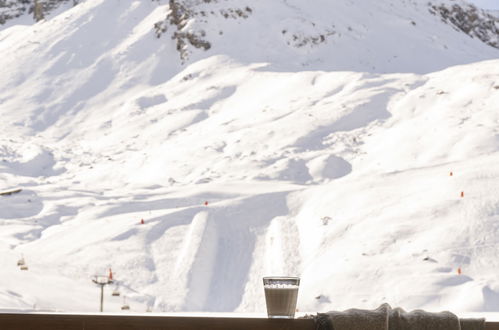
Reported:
(360, 319)
(322, 322)
(472, 324)
(418, 320)
(386, 318)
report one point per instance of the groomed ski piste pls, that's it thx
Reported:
(364, 161)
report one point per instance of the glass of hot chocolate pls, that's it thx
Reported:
(281, 293)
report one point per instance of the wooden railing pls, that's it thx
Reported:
(146, 322)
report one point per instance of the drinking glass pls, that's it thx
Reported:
(281, 293)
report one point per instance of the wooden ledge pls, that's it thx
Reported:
(10, 321)
(145, 322)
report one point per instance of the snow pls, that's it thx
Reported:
(488, 4)
(264, 155)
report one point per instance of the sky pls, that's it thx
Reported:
(487, 4)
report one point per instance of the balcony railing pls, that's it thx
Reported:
(20, 321)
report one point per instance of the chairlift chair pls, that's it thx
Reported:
(21, 261)
(116, 292)
(125, 306)
(24, 267)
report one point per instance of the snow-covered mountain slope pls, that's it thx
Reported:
(272, 151)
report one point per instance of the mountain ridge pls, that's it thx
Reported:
(461, 15)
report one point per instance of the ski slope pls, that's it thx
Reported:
(265, 154)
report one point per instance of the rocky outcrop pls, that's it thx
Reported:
(467, 18)
(178, 17)
(182, 12)
(10, 9)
